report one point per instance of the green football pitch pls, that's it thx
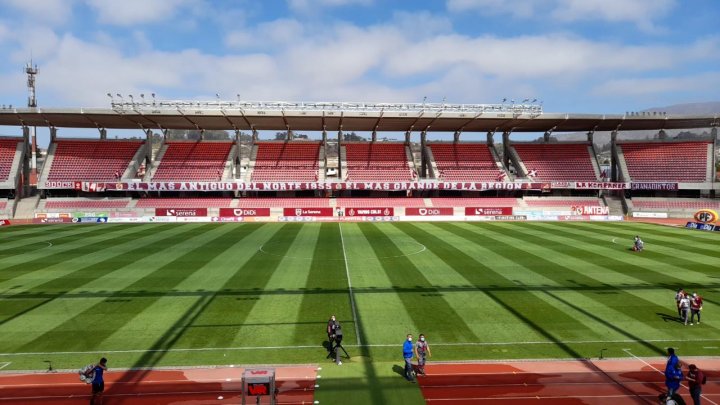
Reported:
(149, 295)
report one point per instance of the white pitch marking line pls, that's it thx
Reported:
(5, 364)
(613, 240)
(653, 367)
(294, 347)
(352, 297)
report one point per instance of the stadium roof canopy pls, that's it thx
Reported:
(221, 115)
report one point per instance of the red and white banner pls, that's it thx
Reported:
(429, 211)
(595, 185)
(369, 212)
(295, 186)
(244, 212)
(4, 222)
(308, 212)
(89, 186)
(485, 211)
(590, 210)
(655, 186)
(181, 212)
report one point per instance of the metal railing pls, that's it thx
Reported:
(219, 105)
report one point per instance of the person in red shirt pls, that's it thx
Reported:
(696, 303)
(696, 379)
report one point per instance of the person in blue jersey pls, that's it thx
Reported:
(408, 350)
(98, 382)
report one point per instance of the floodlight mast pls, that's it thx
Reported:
(31, 71)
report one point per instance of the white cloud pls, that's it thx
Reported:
(135, 12)
(48, 11)
(314, 5)
(641, 87)
(642, 13)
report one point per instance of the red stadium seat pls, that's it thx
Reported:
(7, 156)
(377, 161)
(206, 202)
(85, 204)
(287, 161)
(193, 161)
(666, 161)
(465, 162)
(91, 160)
(557, 161)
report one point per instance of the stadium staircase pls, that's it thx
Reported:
(26, 207)
(136, 161)
(616, 204)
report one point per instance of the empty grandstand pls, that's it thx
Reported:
(198, 161)
(90, 160)
(558, 161)
(286, 161)
(378, 161)
(466, 162)
(682, 162)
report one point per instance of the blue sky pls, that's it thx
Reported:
(595, 56)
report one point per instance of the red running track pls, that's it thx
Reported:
(194, 386)
(620, 382)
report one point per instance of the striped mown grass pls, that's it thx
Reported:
(202, 294)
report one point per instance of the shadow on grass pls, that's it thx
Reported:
(668, 317)
(399, 370)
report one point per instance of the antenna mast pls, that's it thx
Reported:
(31, 72)
(30, 168)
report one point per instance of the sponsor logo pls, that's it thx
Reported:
(258, 389)
(308, 212)
(244, 212)
(706, 216)
(366, 212)
(180, 212)
(427, 212)
(590, 210)
(488, 211)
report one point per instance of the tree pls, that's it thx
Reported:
(353, 137)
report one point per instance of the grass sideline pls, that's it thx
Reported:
(166, 294)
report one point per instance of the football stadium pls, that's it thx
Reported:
(188, 263)
(457, 202)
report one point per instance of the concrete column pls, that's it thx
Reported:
(25, 191)
(373, 137)
(254, 135)
(456, 136)
(491, 138)
(53, 134)
(149, 149)
(340, 143)
(424, 161)
(614, 164)
(506, 148)
(591, 136)
(546, 136)
(103, 133)
(407, 137)
(324, 136)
